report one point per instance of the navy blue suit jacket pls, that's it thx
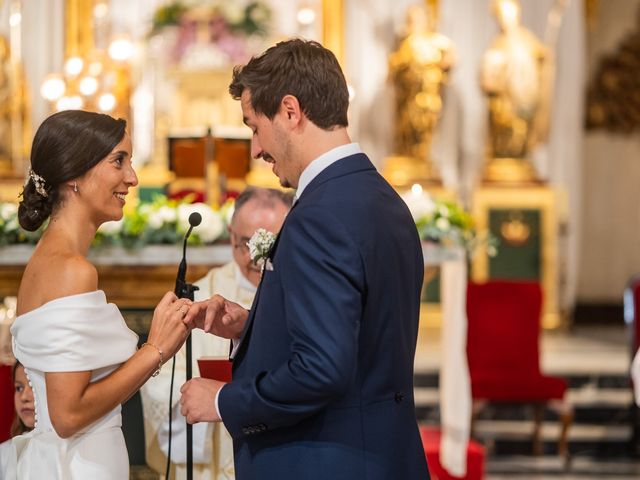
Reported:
(323, 379)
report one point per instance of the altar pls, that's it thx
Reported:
(133, 279)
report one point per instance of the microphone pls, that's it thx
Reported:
(184, 289)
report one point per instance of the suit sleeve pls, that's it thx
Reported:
(322, 277)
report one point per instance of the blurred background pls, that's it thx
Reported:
(511, 128)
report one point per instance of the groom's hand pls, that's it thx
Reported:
(227, 322)
(197, 403)
(198, 311)
(218, 316)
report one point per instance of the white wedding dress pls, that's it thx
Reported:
(69, 334)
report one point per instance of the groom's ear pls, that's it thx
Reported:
(290, 108)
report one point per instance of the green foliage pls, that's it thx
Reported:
(167, 15)
(160, 222)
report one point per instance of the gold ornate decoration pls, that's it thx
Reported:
(542, 199)
(15, 110)
(515, 231)
(96, 71)
(613, 98)
(517, 77)
(419, 69)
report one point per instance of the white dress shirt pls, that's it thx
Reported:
(323, 161)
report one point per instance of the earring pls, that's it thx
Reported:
(75, 187)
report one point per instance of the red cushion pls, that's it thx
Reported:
(502, 343)
(7, 409)
(530, 389)
(431, 443)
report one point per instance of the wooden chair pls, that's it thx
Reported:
(503, 354)
(188, 160)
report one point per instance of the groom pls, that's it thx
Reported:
(323, 365)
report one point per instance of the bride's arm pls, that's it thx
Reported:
(75, 403)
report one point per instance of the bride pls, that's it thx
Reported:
(80, 357)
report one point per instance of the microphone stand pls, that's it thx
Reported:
(186, 290)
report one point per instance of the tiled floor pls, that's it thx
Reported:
(587, 353)
(597, 360)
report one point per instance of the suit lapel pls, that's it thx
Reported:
(344, 166)
(254, 305)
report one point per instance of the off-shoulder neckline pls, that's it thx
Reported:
(63, 298)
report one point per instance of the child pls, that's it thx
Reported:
(24, 420)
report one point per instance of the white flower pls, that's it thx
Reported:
(420, 204)
(8, 210)
(12, 224)
(443, 224)
(211, 227)
(146, 208)
(161, 216)
(233, 12)
(260, 245)
(111, 229)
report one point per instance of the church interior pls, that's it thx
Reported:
(494, 120)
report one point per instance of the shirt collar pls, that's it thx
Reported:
(323, 161)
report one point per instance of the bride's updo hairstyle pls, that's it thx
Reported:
(66, 146)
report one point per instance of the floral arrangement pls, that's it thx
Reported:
(10, 231)
(161, 221)
(260, 245)
(445, 222)
(214, 32)
(165, 221)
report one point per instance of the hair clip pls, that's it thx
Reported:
(39, 182)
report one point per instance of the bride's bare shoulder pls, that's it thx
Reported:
(54, 275)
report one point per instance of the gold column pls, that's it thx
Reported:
(333, 27)
(591, 12)
(20, 109)
(78, 17)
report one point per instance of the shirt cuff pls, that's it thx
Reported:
(235, 344)
(216, 404)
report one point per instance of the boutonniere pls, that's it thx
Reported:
(260, 245)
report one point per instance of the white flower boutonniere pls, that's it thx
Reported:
(260, 245)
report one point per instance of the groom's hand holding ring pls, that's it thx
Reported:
(218, 316)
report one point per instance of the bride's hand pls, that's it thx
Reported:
(168, 331)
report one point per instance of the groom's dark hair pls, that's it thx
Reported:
(302, 68)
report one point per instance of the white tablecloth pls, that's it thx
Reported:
(455, 388)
